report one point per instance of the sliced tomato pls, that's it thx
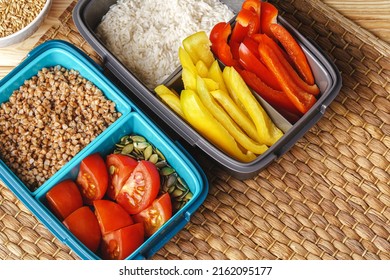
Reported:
(119, 169)
(111, 216)
(156, 214)
(85, 226)
(119, 244)
(92, 178)
(140, 189)
(64, 198)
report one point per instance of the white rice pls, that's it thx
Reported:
(145, 35)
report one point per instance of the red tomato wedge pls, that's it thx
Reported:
(92, 178)
(64, 198)
(111, 216)
(119, 244)
(84, 225)
(140, 189)
(119, 168)
(155, 215)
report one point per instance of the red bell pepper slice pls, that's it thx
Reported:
(247, 23)
(234, 48)
(252, 45)
(220, 32)
(251, 63)
(276, 98)
(253, 5)
(268, 16)
(225, 55)
(295, 51)
(219, 44)
(264, 39)
(300, 98)
(239, 32)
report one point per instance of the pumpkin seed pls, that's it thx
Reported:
(167, 170)
(128, 148)
(137, 138)
(153, 158)
(160, 164)
(141, 145)
(148, 152)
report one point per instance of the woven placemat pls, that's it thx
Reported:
(327, 198)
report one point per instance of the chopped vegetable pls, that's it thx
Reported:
(301, 99)
(294, 50)
(92, 178)
(204, 122)
(197, 46)
(227, 122)
(156, 215)
(266, 129)
(169, 98)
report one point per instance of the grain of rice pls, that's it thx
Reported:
(145, 35)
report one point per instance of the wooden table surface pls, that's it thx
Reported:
(372, 15)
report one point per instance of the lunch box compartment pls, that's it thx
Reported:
(132, 121)
(88, 14)
(54, 53)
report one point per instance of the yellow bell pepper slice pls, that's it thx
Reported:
(266, 129)
(170, 98)
(197, 46)
(203, 121)
(189, 78)
(215, 73)
(227, 122)
(234, 96)
(202, 69)
(186, 61)
(245, 122)
(211, 84)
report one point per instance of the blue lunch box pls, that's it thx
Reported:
(132, 121)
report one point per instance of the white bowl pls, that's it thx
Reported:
(28, 30)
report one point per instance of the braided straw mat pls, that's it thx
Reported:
(327, 198)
